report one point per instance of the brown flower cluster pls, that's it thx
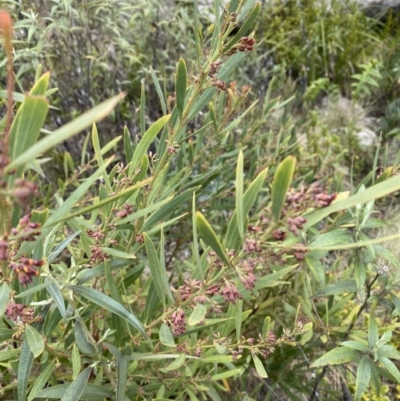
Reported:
(98, 255)
(245, 44)
(25, 269)
(27, 229)
(23, 191)
(20, 313)
(178, 322)
(125, 211)
(313, 196)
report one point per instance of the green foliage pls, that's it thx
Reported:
(221, 255)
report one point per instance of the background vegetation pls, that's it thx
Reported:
(223, 229)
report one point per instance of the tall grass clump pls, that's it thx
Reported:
(204, 260)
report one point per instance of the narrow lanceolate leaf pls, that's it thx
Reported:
(76, 388)
(259, 367)
(198, 314)
(375, 192)
(40, 87)
(166, 337)
(336, 357)
(41, 380)
(26, 128)
(180, 86)
(65, 132)
(177, 363)
(90, 392)
(363, 377)
(390, 367)
(240, 217)
(159, 275)
(209, 237)
(76, 362)
(4, 297)
(233, 240)
(82, 338)
(108, 303)
(55, 293)
(373, 332)
(24, 369)
(145, 143)
(280, 185)
(247, 25)
(35, 340)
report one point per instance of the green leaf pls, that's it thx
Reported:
(159, 275)
(75, 389)
(340, 287)
(317, 268)
(373, 332)
(159, 91)
(108, 303)
(166, 337)
(25, 130)
(336, 356)
(179, 361)
(390, 367)
(35, 340)
(359, 346)
(210, 238)
(218, 359)
(24, 370)
(240, 216)
(280, 185)
(360, 274)
(227, 374)
(76, 361)
(198, 314)
(145, 143)
(4, 298)
(61, 246)
(245, 27)
(180, 86)
(82, 338)
(363, 377)
(55, 293)
(41, 381)
(99, 156)
(62, 134)
(259, 367)
(375, 192)
(122, 371)
(90, 392)
(166, 209)
(41, 85)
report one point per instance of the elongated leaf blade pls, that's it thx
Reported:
(198, 314)
(210, 238)
(233, 240)
(240, 216)
(336, 356)
(280, 185)
(180, 86)
(108, 303)
(67, 131)
(24, 369)
(363, 377)
(159, 276)
(76, 388)
(34, 339)
(41, 380)
(375, 192)
(4, 297)
(145, 143)
(259, 367)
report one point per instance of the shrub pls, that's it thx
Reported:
(195, 269)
